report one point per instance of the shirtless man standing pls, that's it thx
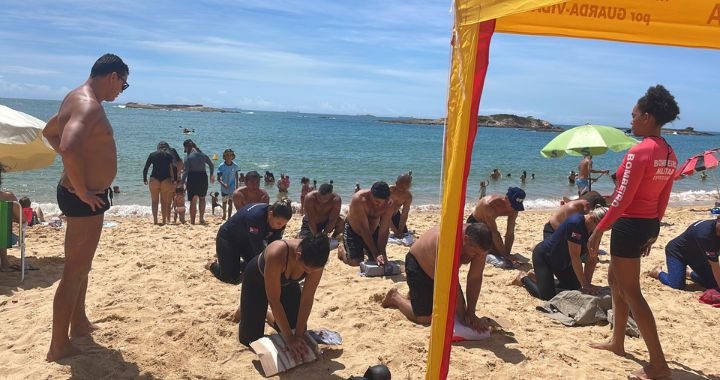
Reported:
(584, 171)
(251, 192)
(488, 209)
(322, 213)
(420, 271)
(368, 225)
(82, 135)
(401, 197)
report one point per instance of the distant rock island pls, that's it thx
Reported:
(491, 121)
(690, 131)
(175, 107)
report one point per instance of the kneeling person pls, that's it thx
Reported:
(367, 226)
(420, 271)
(322, 213)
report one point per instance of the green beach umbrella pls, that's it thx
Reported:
(588, 139)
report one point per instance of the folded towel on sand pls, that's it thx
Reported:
(574, 308)
(407, 239)
(710, 297)
(275, 358)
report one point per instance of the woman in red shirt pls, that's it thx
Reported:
(645, 179)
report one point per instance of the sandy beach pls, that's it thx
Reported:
(162, 315)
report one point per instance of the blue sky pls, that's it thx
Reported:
(386, 58)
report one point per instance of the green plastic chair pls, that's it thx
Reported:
(6, 219)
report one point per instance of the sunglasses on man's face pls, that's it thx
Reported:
(125, 84)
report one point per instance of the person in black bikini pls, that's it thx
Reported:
(273, 278)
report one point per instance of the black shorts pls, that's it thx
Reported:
(471, 219)
(73, 207)
(197, 184)
(421, 287)
(548, 231)
(396, 222)
(305, 227)
(354, 245)
(631, 236)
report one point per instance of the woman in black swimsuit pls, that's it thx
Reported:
(273, 278)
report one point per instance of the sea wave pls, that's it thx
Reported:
(677, 199)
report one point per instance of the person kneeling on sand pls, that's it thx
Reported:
(245, 236)
(367, 225)
(562, 256)
(402, 198)
(584, 204)
(273, 278)
(251, 192)
(487, 210)
(322, 213)
(420, 271)
(698, 247)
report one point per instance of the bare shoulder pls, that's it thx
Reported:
(337, 199)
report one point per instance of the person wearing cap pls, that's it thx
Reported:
(488, 209)
(401, 198)
(162, 178)
(698, 248)
(251, 192)
(367, 226)
(227, 176)
(322, 213)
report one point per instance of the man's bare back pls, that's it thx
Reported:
(569, 208)
(245, 196)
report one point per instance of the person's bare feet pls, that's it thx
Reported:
(341, 253)
(82, 329)
(388, 300)
(650, 372)
(202, 221)
(517, 281)
(609, 346)
(655, 272)
(269, 317)
(64, 351)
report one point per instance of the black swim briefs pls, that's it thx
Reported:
(73, 207)
(354, 245)
(421, 287)
(396, 222)
(197, 184)
(630, 236)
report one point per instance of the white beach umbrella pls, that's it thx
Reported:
(22, 145)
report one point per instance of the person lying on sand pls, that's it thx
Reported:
(420, 272)
(488, 209)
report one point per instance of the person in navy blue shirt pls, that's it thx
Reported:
(698, 247)
(245, 236)
(561, 256)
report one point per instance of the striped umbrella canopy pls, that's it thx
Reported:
(699, 162)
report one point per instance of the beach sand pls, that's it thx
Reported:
(162, 315)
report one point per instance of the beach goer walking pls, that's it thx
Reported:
(420, 274)
(196, 179)
(367, 226)
(283, 185)
(483, 188)
(698, 247)
(273, 279)
(251, 192)
(322, 213)
(638, 206)
(585, 171)
(179, 204)
(228, 180)
(487, 210)
(162, 180)
(523, 177)
(244, 235)
(562, 256)
(402, 199)
(82, 135)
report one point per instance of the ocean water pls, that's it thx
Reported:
(345, 149)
